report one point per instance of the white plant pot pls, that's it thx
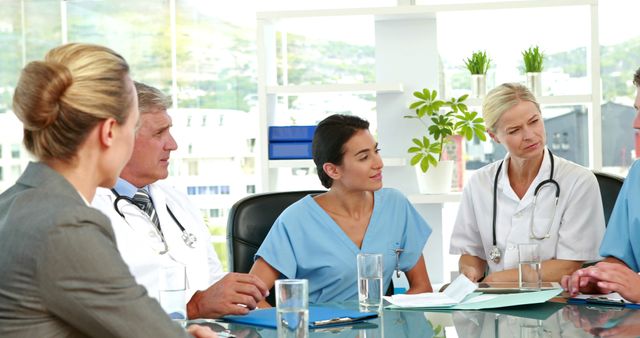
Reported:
(478, 85)
(437, 180)
(534, 82)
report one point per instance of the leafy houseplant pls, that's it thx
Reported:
(533, 58)
(478, 64)
(447, 118)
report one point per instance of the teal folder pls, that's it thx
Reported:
(319, 316)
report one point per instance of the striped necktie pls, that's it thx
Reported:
(143, 201)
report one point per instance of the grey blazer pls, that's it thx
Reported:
(60, 271)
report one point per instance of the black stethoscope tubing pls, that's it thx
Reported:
(188, 238)
(495, 252)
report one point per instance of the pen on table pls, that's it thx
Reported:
(333, 321)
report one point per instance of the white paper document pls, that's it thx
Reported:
(453, 294)
(460, 295)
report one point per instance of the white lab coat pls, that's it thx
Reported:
(577, 229)
(139, 244)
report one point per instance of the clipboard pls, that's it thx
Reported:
(319, 317)
(611, 300)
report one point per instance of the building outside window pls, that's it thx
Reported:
(16, 170)
(15, 151)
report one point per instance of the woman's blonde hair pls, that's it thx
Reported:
(59, 100)
(503, 98)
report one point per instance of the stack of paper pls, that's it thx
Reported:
(455, 293)
(460, 295)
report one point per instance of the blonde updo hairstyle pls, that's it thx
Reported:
(60, 100)
(503, 98)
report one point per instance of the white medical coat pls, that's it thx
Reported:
(577, 229)
(139, 244)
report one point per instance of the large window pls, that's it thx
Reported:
(204, 55)
(139, 30)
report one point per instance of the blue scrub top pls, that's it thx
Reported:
(306, 243)
(622, 237)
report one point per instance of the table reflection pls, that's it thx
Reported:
(540, 320)
(528, 324)
(604, 321)
(390, 324)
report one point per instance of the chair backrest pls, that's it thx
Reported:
(250, 219)
(610, 186)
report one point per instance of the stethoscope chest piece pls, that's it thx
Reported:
(189, 239)
(495, 255)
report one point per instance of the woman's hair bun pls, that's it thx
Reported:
(40, 93)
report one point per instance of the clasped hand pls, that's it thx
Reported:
(235, 294)
(604, 277)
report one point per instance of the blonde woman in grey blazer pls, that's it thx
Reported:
(62, 275)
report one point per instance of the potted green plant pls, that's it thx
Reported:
(533, 64)
(478, 65)
(442, 121)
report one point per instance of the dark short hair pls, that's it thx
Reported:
(636, 78)
(329, 139)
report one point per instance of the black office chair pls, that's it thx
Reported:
(250, 219)
(610, 186)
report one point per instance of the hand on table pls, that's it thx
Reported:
(199, 331)
(604, 277)
(235, 294)
(472, 273)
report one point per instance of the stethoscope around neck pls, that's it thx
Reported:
(495, 254)
(188, 238)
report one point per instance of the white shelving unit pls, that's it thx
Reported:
(336, 88)
(398, 74)
(388, 162)
(548, 100)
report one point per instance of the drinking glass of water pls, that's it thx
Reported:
(529, 272)
(370, 281)
(172, 281)
(292, 308)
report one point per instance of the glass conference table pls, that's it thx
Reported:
(551, 319)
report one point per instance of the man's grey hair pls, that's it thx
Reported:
(150, 98)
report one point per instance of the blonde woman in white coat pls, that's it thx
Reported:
(568, 233)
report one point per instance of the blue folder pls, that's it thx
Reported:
(290, 150)
(291, 133)
(319, 316)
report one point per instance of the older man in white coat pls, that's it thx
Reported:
(156, 226)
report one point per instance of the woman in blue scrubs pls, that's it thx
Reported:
(319, 237)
